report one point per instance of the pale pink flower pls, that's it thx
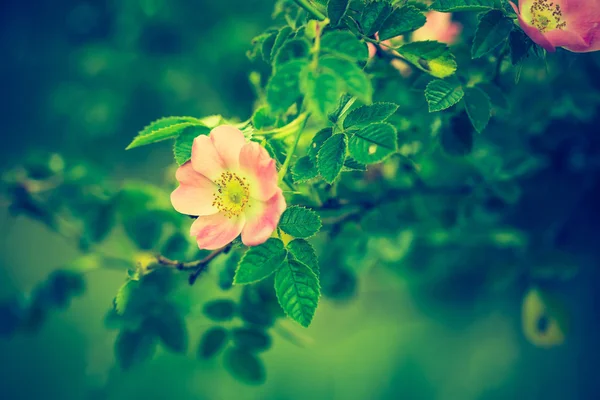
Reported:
(439, 27)
(231, 185)
(572, 24)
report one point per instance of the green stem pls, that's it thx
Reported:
(287, 129)
(306, 4)
(291, 151)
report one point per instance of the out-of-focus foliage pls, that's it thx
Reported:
(469, 173)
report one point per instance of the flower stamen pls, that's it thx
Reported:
(546, 16)
(232, 195)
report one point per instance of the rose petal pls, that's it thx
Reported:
(569, 40)
(195, 193)
(228, 141)
(261, 171)
(262, 219)
(215, 231)
(205, 158)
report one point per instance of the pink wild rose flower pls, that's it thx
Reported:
(231, 185)
(572, 24)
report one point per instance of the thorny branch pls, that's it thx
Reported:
(196, 267)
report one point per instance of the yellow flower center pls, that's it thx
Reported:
(232, 195)
(546, 16)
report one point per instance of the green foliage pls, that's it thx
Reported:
(245, 366)
(317, 142)
(322, 92)
(298, 291)
(441, 95)
(304, 170)
(336, 9)
(251, 339)
(134, 347)
(373, 143)
(362, 116)
(374, 15)
(300, 222)
(212, 342)
(457, 138)
(260, 261)
(291, 50)
(492, 31)
(463, 5)
(182, 149)
(302, 251)
(401, 21)
(344, 44)
(283, 88)
(220, 310)
(354, 80)
(331, 157)
(520, 45)
(124, 295)
(429, 56)
(478, 107)
(162, 129)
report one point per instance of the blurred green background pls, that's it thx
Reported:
(80, 78)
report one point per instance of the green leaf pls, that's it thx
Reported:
(374, 15)
(304, 170)
(124, 295)
(366, 115)
(303, 251)
(317, 143)
(300, 222)
(441, 95)
(402, 21)
(355, 80)
(373, 143)
(145, 228)
(220, 310)
(162, 129)
(331, 157)
(493, 30)
(497, 99)
(463, 5)
(297, 288)
(322, 92)
(345, 44)
(170, 327)
(283, 88)
(228, 271)
(267, 46)
(251, 339)
(245, 366)
(291, 50)
(352, 165)
(520, 44)
(262, 118)
(260, 261)
(457, 138)
(430, 56)
(133, 347)
(478, 107)
(281, 37)
(182, 149)
(343, 106)
(212, 342)
(336, 9)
